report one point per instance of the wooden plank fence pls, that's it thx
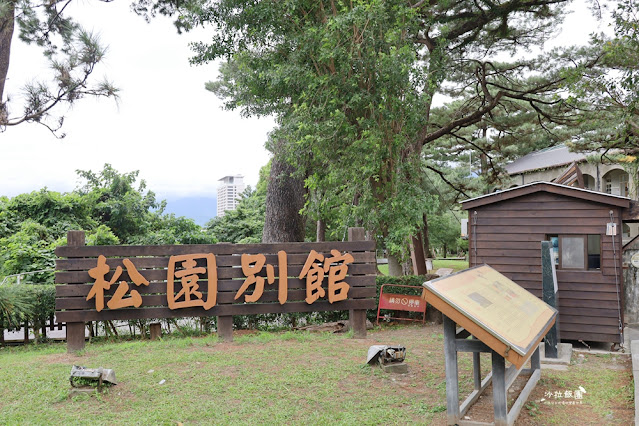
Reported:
(223, 271)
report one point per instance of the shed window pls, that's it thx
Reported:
(576, 251)
(572, 252)
(594, 251)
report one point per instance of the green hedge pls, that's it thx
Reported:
(413, 280)
(43, 298)
(265, 321)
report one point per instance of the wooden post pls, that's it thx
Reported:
(549, 295)
(75, 336)
(452, 379)
(418, 256)
(156, 330)
(26, 332)
(476, 368)
(75, 330)
(225, 328)
(225, 325)
(499, 390)
(535, 362)
(357, 317)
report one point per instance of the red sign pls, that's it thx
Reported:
(402, 302)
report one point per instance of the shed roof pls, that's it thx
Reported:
(568, 191)
(555, 156)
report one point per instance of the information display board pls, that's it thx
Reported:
(496, 310)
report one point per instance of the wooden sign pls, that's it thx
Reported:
(134, 282)
(500, 313)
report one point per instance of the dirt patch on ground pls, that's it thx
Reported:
(244, 332)
(64, 358)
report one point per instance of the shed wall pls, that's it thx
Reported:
(507, 235)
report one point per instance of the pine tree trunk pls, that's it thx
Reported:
(419, 259)
(426, 240)
(6, 34)
(321, 231)
(284, 200)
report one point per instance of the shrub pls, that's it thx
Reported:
(43, 299)
(27, 302)
(15, 305)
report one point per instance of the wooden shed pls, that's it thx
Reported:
(506, 229)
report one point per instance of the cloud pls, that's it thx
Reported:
(165, 124)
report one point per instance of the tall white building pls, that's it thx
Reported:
(229, 192)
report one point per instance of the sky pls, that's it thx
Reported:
(165, 124)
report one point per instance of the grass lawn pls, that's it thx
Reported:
(456, 265)
(275, 378)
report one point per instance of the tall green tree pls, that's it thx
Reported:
(54, 211)
(359, 55)
(30, 249)
(353, 84)
(244, 224)
(112, 207)
(612, 87)
(116, 202)
(170, 229)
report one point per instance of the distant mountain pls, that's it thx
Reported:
(200, 209)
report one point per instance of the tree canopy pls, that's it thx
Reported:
(352, 85)
(374, 99)
(611, 88)
(112, 207)
(72, 54)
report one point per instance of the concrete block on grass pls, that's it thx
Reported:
(564, 352)
(397, 368)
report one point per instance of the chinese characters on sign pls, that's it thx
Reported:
(250, 271)
(565, 397)
(402, 302)
(189, 273)
(101, 284)
(314, 273)
(192, 280)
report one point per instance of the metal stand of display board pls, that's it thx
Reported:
(500, 376)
